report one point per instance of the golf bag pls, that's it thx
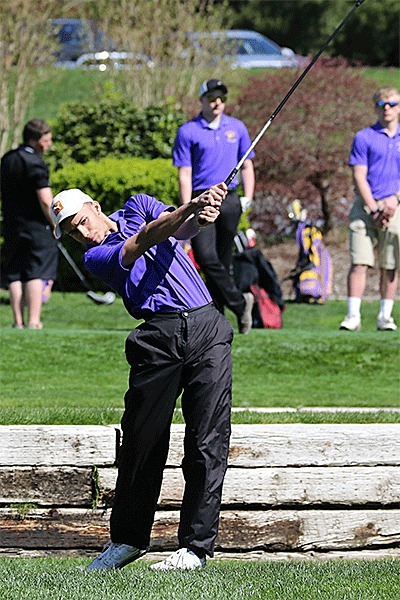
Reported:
(312, 276)
(254, 273)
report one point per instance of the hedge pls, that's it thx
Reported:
(112, 127)
(111, 181)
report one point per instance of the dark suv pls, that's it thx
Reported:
(77, 37)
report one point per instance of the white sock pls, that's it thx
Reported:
(354, 306)
(386, 308)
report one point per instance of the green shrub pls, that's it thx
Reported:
(111, 181)
(112, 127)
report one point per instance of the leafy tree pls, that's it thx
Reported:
(26, 45)
(304, 153)
(160, 30)
(305, 25)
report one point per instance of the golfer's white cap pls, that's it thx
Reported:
(66, 204)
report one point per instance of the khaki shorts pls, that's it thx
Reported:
(365, 235)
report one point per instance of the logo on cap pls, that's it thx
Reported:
(57, 207)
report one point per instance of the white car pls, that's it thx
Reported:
(249, 50)
(104, 61)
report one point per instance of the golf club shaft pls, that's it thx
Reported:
(233, 173)
(108, 298)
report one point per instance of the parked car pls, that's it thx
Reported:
(101, 61)
(249, 49)
(78, 36)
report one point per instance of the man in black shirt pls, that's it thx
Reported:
(30, 251)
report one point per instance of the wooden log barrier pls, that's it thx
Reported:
(288, 488)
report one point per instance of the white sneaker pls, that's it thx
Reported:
(351, 323)
(182, 559)
(386, 324)
(115, 556)
(246, 320)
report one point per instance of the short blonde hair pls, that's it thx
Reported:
(384, 92)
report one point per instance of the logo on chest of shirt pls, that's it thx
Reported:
(230, 136)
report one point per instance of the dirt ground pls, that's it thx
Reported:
(283, 258)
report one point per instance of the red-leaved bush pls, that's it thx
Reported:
(304, 153)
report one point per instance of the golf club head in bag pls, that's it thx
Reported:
(296, 211)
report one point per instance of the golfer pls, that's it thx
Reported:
(184, 344)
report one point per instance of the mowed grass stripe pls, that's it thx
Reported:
(74, 370)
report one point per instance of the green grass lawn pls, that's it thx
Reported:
(65, 85)
(64, 579)
(74, 370)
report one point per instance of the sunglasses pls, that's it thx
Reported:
(214, 98)
(382, 103)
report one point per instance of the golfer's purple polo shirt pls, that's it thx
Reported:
(162, 280)
(212, 153)
(372, 147)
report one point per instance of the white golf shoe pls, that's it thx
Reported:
(181, 560)
(115, 556)
(386, 324)
(351, 323)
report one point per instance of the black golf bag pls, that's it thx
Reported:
(254, 273)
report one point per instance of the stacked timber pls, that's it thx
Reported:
(289, 488)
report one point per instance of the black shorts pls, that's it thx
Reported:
(29, 252)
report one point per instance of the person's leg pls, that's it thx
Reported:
(357, 280)
(16, 295)
(154, 385)
(41, 264)
(389, 280)
(226, 228)
(388, 252)
(206, 405)
(33, 298)
(362, 237)
(219, 282)
(46, 291)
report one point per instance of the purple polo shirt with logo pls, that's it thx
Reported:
(163, 279)
(373, 148)
(212, 153)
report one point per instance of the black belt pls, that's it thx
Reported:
(177, 313)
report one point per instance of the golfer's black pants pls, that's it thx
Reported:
(189, 351)
(212, 249)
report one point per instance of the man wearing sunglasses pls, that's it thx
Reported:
(375, 216)
(206, 150)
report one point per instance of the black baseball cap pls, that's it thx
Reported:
(211, 85)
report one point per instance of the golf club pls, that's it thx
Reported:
(290, 92)
(108, 297)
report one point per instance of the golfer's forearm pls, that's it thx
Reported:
(156, 232)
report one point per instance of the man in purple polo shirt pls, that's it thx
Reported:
(206, 150)
(184, 344)
(375, 216)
